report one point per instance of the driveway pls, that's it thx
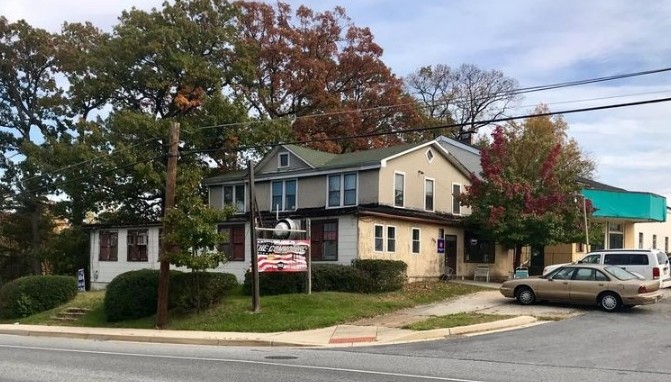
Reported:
(485, 302)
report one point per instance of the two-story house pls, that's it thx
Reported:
(397, 203)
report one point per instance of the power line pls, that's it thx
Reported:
(518, 91)
(423, 129)
(366, 135)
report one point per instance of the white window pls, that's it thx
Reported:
(654, 241)
(429, 189)
(283, 195)
(235, 196)
(283, 160)
(456, 192)
(399, 189)
(342, 190)
(415, 240)
(378, 244)
(391, 239)
(640, 240)
(429, 155)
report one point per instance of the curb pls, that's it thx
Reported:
(210, 338)
(468, 329)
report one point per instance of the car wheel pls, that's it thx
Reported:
(525, 296)
(609, 302)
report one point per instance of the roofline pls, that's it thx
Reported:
(458, 144)
(299, 157)
(383, 162)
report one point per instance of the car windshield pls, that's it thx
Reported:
(620, 273)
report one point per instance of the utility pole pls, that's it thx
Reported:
(256, 295)
(167, 247)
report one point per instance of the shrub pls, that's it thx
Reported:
(199, 290)
(386, 275)
(132, 295)
(272, 283)
(341, 278)
(33, 294)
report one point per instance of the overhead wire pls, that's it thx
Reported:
(372, 134)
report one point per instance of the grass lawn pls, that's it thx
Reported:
(454, 320)
(278, 313)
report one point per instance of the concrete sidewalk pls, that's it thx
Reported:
(384, 329)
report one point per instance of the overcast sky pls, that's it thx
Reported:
(536, 42)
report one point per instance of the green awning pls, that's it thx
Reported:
(635, 206)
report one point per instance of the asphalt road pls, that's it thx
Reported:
(627, 346)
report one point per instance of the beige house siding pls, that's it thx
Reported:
(369, 188)
(662, 230)
(416, 168)
(563, 253)
(427, 264)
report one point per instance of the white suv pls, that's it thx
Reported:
(652, 264)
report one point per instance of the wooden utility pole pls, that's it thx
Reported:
(256, 295)
(167, 247)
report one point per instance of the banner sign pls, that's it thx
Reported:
(282, 255)
(441, 246)
(81, 282)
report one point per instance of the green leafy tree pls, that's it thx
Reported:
(527, 191)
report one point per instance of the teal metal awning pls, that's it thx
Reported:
(634, 206)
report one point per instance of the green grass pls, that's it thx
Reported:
(454, 320)
(278, 313)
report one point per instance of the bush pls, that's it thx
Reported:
(134, 294)
(386, 275)
(131, 295)
(341, 278)
(199, 290)
(272, 283)
(33, 294)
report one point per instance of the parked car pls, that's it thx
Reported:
(652, 264)
(609, 287)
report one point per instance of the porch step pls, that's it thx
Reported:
(71, 314)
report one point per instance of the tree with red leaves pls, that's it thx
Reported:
(527, 192)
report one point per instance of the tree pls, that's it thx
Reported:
(465, 96)
(321, 72)
(527, 192)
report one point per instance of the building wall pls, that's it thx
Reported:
(662, 230)
(427, 264)
(102, 272)
(416, 168)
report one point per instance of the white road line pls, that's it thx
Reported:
(414, 376)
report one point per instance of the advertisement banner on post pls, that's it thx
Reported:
(282, 255)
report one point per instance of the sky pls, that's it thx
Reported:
(536, 42)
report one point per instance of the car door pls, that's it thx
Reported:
(556, 287)
(586, 285)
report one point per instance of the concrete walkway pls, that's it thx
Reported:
(384, 329)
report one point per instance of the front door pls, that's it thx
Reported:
(450, 254)
(537, 262)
